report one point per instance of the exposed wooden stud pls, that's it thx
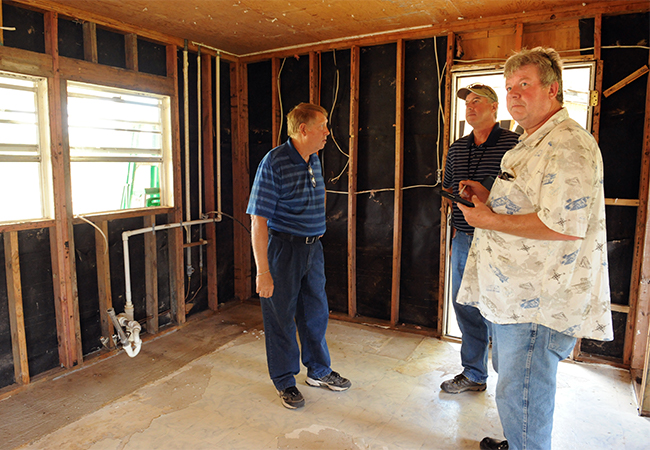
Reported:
(241, 180)
(621, 202)
(638, 328)
(275, 102)
(131, 51)
(355, 55)
(451, 40)
(627, 80)
(104, 281)
(175, 236)
(314, 78)
(399, 183)
(62, 246)
(519, 36)
(151, 275)
(84, 71)
(208, 177)
(644, 393)
(15, 306)
(598, 79)
(90, 42)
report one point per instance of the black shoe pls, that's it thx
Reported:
(489, 443)
(292, 398)
(333, 381)
(461, 383)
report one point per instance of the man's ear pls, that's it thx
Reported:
(553, 89)
(302, 128)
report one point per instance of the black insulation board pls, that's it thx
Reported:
(30, 28)
(6, 353)
(225, 229)
(87, 287)
(622, 113)
(111, 50)
(423, 150)
(610, 349)
(152, 58)
(38, 300)
(335, 71)
(71, 39)
(376, 170)
(294, 86)
(260, 118)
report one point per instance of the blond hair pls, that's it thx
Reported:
(547, 61)
(302, 113)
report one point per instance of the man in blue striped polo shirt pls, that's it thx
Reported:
(472, 157)
(287, 208)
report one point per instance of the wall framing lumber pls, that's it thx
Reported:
(355, 55)
(15, 306)
(151, 275)
(451, 43)
(62, 246)
(399, 183)
(1, 30)
(104, 292)
(241, 178)
(314, 78)
(90, 42)
(637, 322)
(208, 178)
(175, 236)
(22, 61)
(627, 80)
(131, 51)
(87, 72)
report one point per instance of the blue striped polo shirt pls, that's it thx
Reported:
(284, 194)
(467, 161)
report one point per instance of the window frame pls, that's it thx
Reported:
(43, 147)
(166, 141)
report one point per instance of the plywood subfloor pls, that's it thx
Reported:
(206, 387)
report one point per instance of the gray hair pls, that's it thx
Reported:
(547, 61)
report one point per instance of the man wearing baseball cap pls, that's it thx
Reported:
(472, 157)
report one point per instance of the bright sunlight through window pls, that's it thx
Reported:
(25, 171)
(119, 148)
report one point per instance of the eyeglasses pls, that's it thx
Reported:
(311, 173)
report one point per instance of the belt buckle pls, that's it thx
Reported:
(310, 239)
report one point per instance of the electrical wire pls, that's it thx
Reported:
(98, 229)
(230, 217)
(280, 101)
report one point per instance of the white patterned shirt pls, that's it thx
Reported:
(556, 172)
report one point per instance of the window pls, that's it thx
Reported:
(25, 170)
(120, 148)
(577, 81)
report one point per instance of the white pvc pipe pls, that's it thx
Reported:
(125, 242)
(200, 146)
(186, 110)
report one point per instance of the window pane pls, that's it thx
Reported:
(21, 187)
(111, 186)
(116, 148)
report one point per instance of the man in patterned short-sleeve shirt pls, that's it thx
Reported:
(537, 268)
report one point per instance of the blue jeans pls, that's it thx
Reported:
(298, 300)
(474, 346)
(526, 356)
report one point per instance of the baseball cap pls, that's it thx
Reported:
(479, 89)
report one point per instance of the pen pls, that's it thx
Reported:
(462, 189)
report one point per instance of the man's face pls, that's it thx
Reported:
(530, 103)
(316, 132)
(479, 112)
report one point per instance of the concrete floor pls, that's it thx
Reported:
(206, 386)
